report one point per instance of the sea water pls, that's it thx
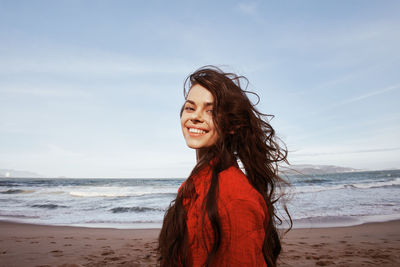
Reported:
(315, 200)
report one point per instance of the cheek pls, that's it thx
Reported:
(215, 134)
(213, 126)
(215, 137)
(183, 120)
(183, 127)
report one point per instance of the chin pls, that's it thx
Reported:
(195, 146)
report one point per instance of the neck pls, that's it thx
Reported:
(200, 153)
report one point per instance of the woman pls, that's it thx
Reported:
(221, 216)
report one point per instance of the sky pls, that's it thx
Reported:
(94, 88)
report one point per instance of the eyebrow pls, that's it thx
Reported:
(205, 104)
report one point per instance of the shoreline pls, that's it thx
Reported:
(305, 223)
(23, 244)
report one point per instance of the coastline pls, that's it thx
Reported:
(41, 245)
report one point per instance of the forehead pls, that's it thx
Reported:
(199, 95)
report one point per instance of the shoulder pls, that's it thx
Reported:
(233, 179)
(234, 186)
(240, 205)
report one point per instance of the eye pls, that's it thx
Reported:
(189, 108)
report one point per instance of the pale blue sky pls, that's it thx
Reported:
(94, 88)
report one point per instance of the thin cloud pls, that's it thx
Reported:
(346, 152)
(247, 8)
(355, 99)
(370, 94)
(45, 90)
(89, 66)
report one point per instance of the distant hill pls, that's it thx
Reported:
(316, 169)
(5, 173)
(293, 169)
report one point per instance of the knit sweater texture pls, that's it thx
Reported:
(243, 214)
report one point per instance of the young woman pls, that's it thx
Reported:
(223, 216)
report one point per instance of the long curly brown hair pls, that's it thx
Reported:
(245, 136)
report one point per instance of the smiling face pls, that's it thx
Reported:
(197, 122)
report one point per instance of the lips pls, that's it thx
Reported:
(196, 131)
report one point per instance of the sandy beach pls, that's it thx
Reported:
(38, 245)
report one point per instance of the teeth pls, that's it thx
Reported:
(198, 131)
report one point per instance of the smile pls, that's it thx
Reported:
(197, 131)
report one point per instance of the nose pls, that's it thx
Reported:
(196, 116)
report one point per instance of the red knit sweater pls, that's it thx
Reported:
(242, 212)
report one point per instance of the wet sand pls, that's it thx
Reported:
(38, 245)
(371, 244)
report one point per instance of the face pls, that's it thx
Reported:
(197, 118)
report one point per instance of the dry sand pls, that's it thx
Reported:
(374, 244)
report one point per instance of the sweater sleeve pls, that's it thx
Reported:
(243, 233)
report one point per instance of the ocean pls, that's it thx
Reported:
(321, 200)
